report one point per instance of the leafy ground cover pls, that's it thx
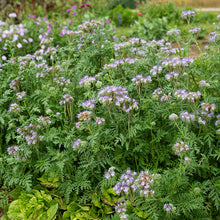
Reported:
(95, 125)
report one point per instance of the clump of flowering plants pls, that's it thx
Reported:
(131, 127)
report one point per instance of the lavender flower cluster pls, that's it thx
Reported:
(20, 95)
(188, 96)
(89, 104)
(121, 210)
(172, 75)
(14, 107)
(118, 63)
(127, 183)
(139, 79)
(173, 32)
(187, 117)
(119, 96)
(168, 207)
(13, 150)
(67, 98)
(86, 81)
(180, 148)
(206, 112)
(188, 14)
(144, 182)
(44, 120)
(110, 173)
(90, 27)
(15, 84)
(156, 70)
(203, 84)
(176, 61)
(84, 116)
(62, 81)
(195, 30)
(30, 134)
(217, 123)
(77, 143)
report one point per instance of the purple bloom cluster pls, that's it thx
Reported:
(62, 81)
(188, 14)
(76, 143)
(195, 30)
(214, 37)
(20, 95)
(84, 116)
(144, 182)
(86, 81)
(217, 123)
(180, 148)
(121, 209)
(173, 32)
(127, 183)
(168, 207)
(14, 107)
(110, 173)
(201, 121)
(176, 61)
(206, 112)
(67, 98)
(187, 117)
(90, 27)
(139, 79)
(44, 120)
(172, 75)
(165, 98)
(99, 121)
(118, 63)
(156, 70)
(30, 134)
(90, 104)
(188, 96)
(15, 84)
(203, 84)
(119, 96)
(218, 17)
(13, 150)
(157, 92)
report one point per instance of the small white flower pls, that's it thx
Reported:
(19, 45)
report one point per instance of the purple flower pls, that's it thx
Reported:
(90, 104)
(73, 7)
(61, 33)
(68, 10)
(107, 22)
(19, 45)
(110, 173)
(168, 207)
(76, 143)
(32, 16)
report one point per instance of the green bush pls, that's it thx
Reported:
(153, 29)
(132, 4)
(169, 11)
(123, 17)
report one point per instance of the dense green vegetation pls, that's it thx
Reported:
(97, 123)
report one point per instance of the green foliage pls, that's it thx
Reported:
(152, 28)
(125, 3)
(123, 17)
(75, 117)
(165, 10)
(37, 205)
